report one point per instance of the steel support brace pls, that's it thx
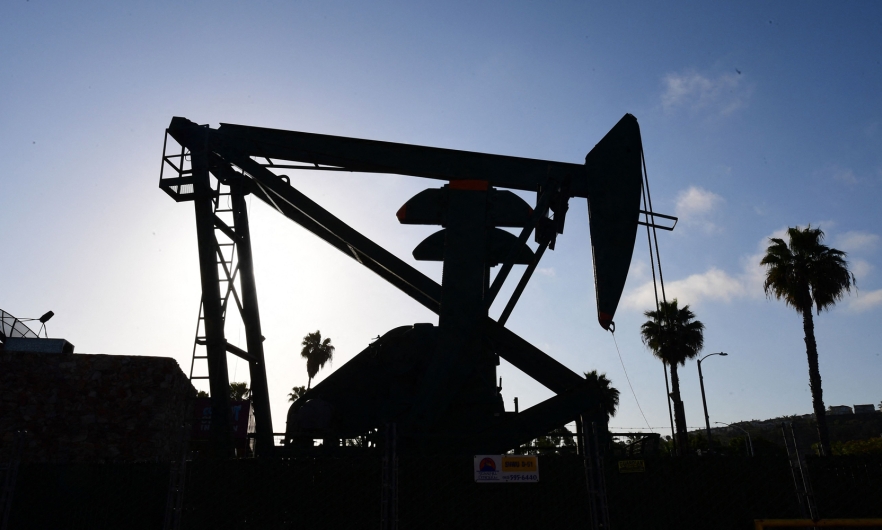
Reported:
(535, 421)
(218, 376)
(251, 322)
(530, 359)
(271, 189)
(540, 212)
(516, 295)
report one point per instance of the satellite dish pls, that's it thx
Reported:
(14, 327)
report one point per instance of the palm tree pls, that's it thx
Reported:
(317, 352)
(609, 395)
(805, 273)
(239, 391)
(296, 393)
(673, 335)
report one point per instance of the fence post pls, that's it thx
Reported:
(594, 479)
(580, 441)
(174, 503)
(601, 478)
(389, 491)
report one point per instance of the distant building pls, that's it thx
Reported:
(835, 410)
(93, 408)
(864, 409)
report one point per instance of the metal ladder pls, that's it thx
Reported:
(226, 254)
(801, 480)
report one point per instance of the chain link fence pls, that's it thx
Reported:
(440, 492)
(62, 496)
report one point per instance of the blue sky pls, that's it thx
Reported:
(755, 116)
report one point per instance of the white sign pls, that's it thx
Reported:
(506, 468)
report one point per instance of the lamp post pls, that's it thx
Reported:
(749, 442)
(703, 399)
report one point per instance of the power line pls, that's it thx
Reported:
(629, 380)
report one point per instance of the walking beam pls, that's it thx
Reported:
(373, 156)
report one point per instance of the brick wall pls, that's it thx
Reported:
(92, 408)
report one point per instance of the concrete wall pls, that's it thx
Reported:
(92, 408)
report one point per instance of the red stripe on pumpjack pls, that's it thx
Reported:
(401, 214)
(474, 185)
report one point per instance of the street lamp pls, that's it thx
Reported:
(749, 443)
(703, 399)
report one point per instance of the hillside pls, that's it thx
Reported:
(768, 433)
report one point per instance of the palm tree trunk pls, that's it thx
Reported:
(309, 384)
(811, 350)
(679, 413)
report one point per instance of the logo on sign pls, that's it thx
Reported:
(487, 464)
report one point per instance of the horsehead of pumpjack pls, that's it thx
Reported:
(438, 382)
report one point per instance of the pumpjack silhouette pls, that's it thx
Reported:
(436, 383)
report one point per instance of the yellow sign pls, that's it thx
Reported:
(520, 464)
(506, 468)
(632, 466)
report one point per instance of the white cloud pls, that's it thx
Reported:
(695, 200)
(639, 270)
(714, 284)
(838, 173)
(855, 241)
(860, 268)
(694, 204)
(845, 175)
(721, 95)
(546, 271)
(753, 275)
(719, 285)
(866, 301)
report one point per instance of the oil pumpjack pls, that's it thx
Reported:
(436, 383)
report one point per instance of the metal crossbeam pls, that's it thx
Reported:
(530, 359)
(537, 420)
(372, 156)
